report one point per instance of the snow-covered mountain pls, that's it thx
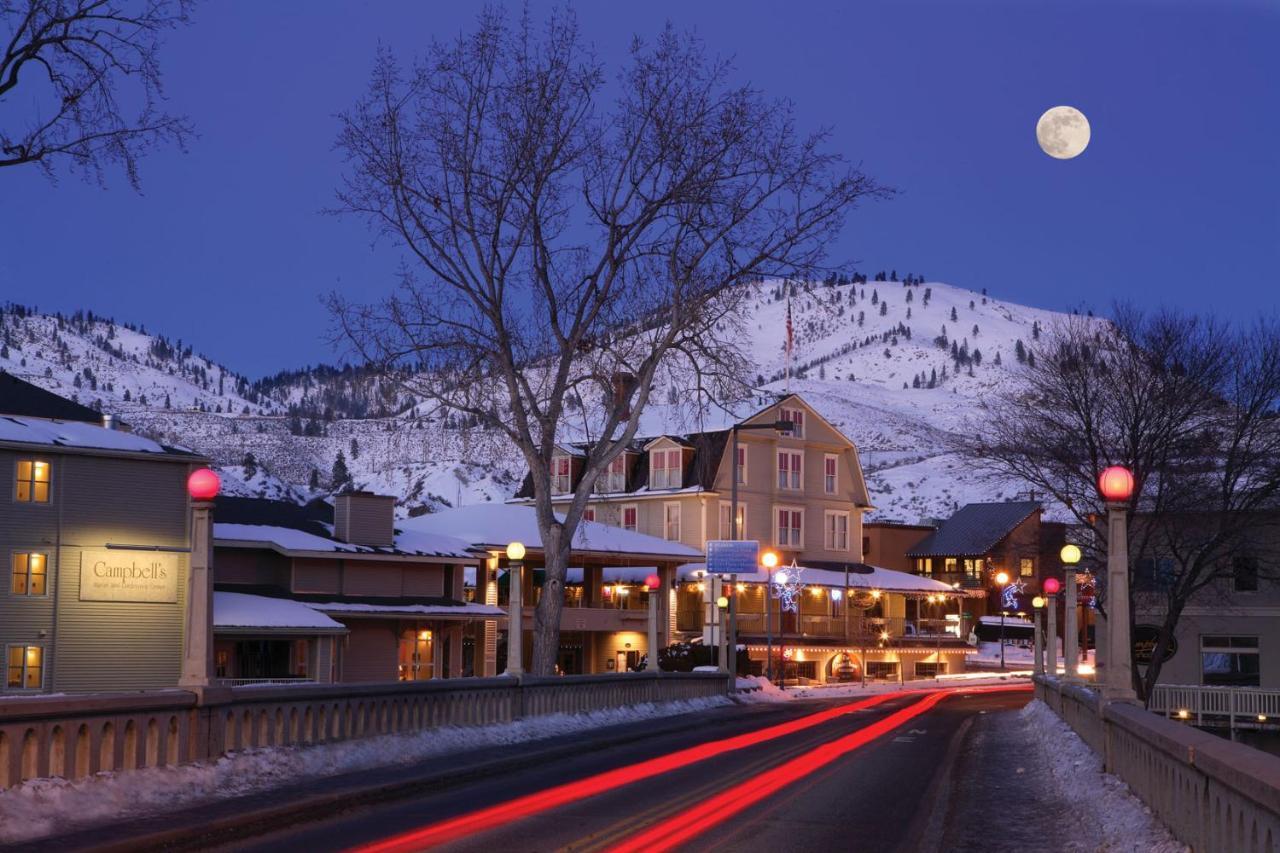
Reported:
(900, 367)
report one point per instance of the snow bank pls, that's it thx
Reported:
(43, 806)
(1118, 820)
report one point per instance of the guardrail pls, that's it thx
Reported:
(1233, 707)
(243, 682)
(76, 736)
(1213, 794)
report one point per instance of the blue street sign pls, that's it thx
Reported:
(733, 556)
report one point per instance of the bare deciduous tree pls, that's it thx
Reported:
(1187, 404)
(71, 59)
(575, 242)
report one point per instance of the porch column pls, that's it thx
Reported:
(454, 633)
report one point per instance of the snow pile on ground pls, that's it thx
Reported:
(1117, 820)
(43, 806)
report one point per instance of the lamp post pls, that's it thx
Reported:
(769, 559)
(1070, 555)
(1037, 605)
(723, 604)
(653, 583)
(782, 576)
(1116, 486)
(515, 606)
(197, 652)
(1002, 580)
(1051, 587)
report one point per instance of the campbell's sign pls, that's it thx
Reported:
(128, 576)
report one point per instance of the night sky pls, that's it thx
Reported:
(1175, 202)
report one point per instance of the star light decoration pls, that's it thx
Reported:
(1009, 598)
(787, 587)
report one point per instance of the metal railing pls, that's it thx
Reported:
(1234, 707)
(242, 682)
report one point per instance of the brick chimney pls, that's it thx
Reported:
(363, 518)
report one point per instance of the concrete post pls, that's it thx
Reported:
(652, 662)
(1051, 607)
(1070, 631)
(1118, 686)
(515, 620)
(197, 656)
(1037, 665)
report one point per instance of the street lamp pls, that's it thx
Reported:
(1051, 587)
(1002, 580)
(515, 607)
(1116, 485)
(1070, 555)
(723, 603)
(769, 559)
(1037, 604)
(197, 652)
(653, 583)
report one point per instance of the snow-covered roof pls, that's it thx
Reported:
(75, 434)
(353, 607)
(240, 610)
(494, 525)
(287, 540)
(885, 580)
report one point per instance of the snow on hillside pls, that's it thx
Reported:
(866, 355)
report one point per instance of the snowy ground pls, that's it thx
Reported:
(1117, 820)
(42, 806)
(762, 690)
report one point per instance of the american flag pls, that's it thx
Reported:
(790, 330)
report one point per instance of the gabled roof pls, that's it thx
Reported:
(975, 529)
(22, 398)
(699, 472)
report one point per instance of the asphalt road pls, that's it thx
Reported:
(873, 779)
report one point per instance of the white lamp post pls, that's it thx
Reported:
(515, 607)
(1116, 486)
(1070, 631)
(1037, 605)
(654, 584)
(1051, 587)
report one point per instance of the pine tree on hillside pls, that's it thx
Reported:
(954, 316)
(355, 448)
(1031, 359)
(884, 308)
(340, 476)
(314, 482)
(250, 465)
(1020, 351)
(1035, 330)
(975, 330)
(997, 358)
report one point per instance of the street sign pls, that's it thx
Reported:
(733, 556)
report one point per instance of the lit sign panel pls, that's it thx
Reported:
(111, 575)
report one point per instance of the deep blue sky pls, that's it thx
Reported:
(1176, 201)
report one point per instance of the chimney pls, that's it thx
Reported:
(363, 518)
(108, 421)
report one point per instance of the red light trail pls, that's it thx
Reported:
(498, 815)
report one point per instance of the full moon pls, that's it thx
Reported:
(1063, 132)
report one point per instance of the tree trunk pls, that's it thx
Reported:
(546, 620)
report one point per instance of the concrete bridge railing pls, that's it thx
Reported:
(76, 736)
(1214, 795)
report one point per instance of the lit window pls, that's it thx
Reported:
(790, 528)
(1026, 567)
(726, 529)
(949, 565)
(837, 531)
(629, 516)
(30, 574)
(560, 480)
(416, 656)
(829, 479)
(25, 668)
(665, 473)
(790, 469)
(671, 522)
(796, 417)
(32, 484)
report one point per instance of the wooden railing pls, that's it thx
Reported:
(1213, 794)
(1231, 707)
(77, 736)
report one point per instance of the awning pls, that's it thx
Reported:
(241, 613)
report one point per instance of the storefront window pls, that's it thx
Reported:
(417, 655)
(25, 669)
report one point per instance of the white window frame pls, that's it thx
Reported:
(789, 414)
(622, 517)
(671, 477)
(795, 476)
(44, 665)
(831, 482)
(726, 517)
(588, 513)
(31, 482)
(742, 466)
(667, 506)
(829, 531)
(13, 557)
(558, 488)
(613, 480)
(798, 544)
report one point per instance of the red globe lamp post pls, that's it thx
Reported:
(1051, 587)
(653, 583)
(197, 648)
(1116, 485)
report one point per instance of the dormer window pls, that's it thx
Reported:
(560, 478)
(614, 478)
(796, 418)
(664, 469)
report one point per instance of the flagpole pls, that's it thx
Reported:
(790, 344)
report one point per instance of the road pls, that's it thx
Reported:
(809, 775)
